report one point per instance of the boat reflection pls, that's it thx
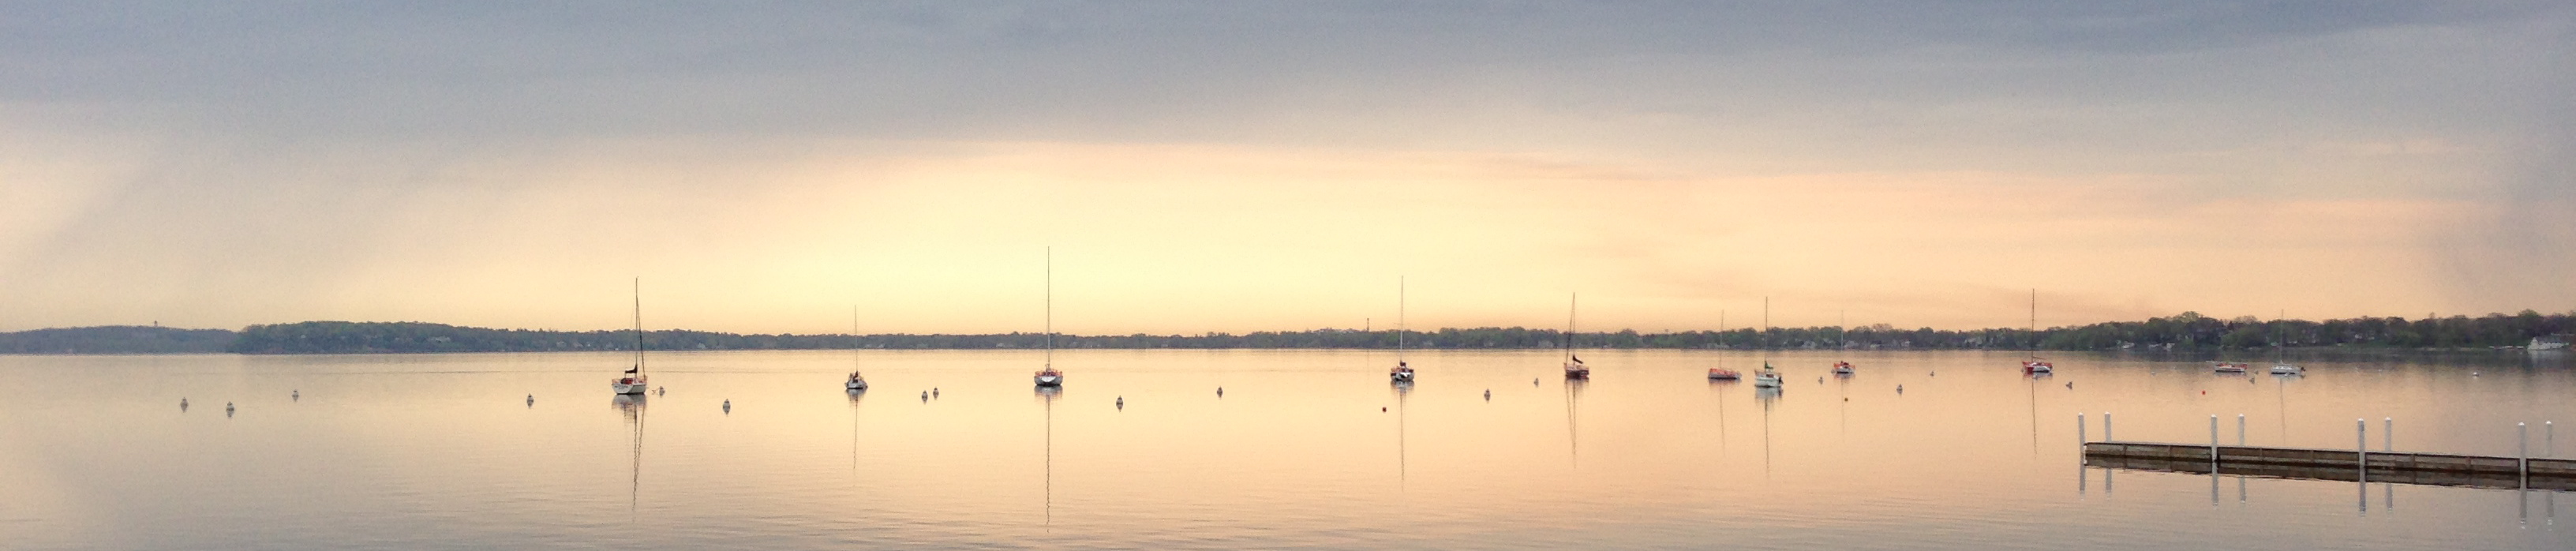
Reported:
(1047, 396)
(1573, 415)
(1767, 396)
(631, 406)
(1402, 389)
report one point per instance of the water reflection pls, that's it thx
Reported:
(1573, 414)
(1721, 387)
(1402, 389)
(1767, 396)
(1047, 395)
(631, 406)
(855, 394)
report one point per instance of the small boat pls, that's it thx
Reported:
(2287, 369)
(1723, 374)
(1574, 368)
(2034, 365)
(1768, 378)
(633, 381)
(856, 382)
(1047, 375)
(1402, 373)
(1842, 368)
(2227, 367)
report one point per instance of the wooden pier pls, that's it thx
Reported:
(2475, 471)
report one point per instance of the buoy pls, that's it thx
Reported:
(183, 404)
(1533, 382)
(1900, 389)
(1122, 402)
(1220, 392)
(2070, 384)
(1381, 409)
(532, 400)
(925, 396)
(228, 407)
(295, 395)
(1489, 395)
(934, 392)
(728, 406)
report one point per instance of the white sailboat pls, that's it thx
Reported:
(634, 381)
(1574, 368)
(1048, 375)
(1768, 378)
(2280, 362)
(2035, 365)
(1401, 373)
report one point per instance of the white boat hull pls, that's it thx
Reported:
(1766, 382)
(624, 387)
(1050, 380)
(2288, 370)
(855, 385)
(1401, 377)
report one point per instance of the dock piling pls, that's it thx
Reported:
(2106, 429)
(2388, 434)
(2240, 429)
(2079, 429)
(2213, 440)
(2361, 440)
(2522, 466)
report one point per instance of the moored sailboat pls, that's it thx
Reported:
(634, 380)
(1401, 373)
(1768, 378)
(1574, 368)
(2035, 365)
(1048, 375)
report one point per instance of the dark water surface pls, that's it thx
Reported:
(443, 452)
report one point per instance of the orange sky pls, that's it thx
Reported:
(1260, 169)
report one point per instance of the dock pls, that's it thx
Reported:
(2350, 465)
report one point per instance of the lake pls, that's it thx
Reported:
(1304, 449)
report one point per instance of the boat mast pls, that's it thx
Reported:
(639, 327)
(1050, 307)
(1569, 326)
(1399, 321)
(2034, 323)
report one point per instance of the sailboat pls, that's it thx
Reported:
(634, 380)
(2035, 365)
(2281, 364)
(1842, 368)
(1574, 368)
(1401, 373)
(1047, 373)
(1768, 378)
(1721, 373)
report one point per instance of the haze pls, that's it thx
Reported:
(1277, 166)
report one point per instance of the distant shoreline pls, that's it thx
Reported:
(2187, 332)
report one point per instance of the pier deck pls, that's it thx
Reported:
(2345, 464)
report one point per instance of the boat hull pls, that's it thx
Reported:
(1400, 376)
(628, 386)
(855, 385)
(1050, 380)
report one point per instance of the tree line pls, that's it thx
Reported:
(2188, 330)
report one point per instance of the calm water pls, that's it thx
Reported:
(1306, 449)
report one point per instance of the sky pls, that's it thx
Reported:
(1248, 166)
